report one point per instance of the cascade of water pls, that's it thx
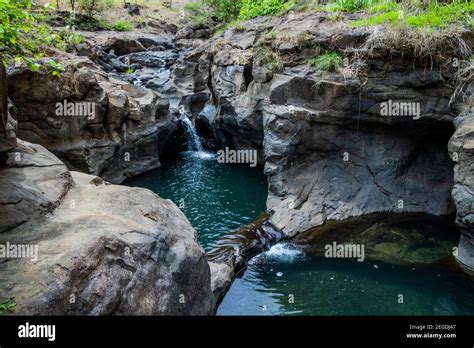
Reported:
(192, 138)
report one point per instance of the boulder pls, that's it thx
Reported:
(101, 249)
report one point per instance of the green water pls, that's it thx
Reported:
(216, 198)
(322, 286)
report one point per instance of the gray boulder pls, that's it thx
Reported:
(101, 249)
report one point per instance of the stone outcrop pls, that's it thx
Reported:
(461, 148)
(128, 131)
(102, 249)
(328, 152)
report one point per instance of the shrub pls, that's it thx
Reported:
(92, 7)
(224, 10)
(330, 61)
(23, 35)
(121, 26)
(348, 5)
(256, 8)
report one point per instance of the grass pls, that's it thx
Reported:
(266, 57)
(434, 16)
(236, 24)
(347, 5)
(329, 61)
(121, 25)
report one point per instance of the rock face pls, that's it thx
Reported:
(461, 148)
(328, 151)
(127, 131)
(114, 250)
(232, 252)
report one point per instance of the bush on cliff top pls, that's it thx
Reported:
(23, 35)
(256, 8)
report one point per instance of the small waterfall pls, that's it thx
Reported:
(192, 138)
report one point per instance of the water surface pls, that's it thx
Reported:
(281, 283)
(216, 198)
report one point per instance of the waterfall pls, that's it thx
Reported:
(192, 138)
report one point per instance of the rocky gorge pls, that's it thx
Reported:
(328, 153)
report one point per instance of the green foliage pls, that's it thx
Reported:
(435, 15)
(23, 35)
(382, 6)
(348, 5)
(121, 25)
(224, 10)
(8, 305)
(256, 8)
(92, 7)
(197, 12)
(15, 23)
(329, 61)
(56, 68)
(266, 57)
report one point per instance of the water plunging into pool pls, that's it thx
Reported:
(286, 280)
(215, 197)
(192, 138)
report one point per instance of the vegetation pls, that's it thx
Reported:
(435, 15)
(329, 61)
(348, 5)
(92, 7)
(23, 35)
(256, 8)
(224, 10)
(121, 26)
(8, 305)
(266, 57)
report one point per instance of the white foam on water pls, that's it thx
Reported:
(283, 252)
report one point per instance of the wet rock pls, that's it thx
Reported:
(118, 65)
(221, 279)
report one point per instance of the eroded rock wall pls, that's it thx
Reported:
(327, 150)
(130, 128)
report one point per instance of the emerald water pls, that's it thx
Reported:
(322, 286)
(216, 198)
(285, 280)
